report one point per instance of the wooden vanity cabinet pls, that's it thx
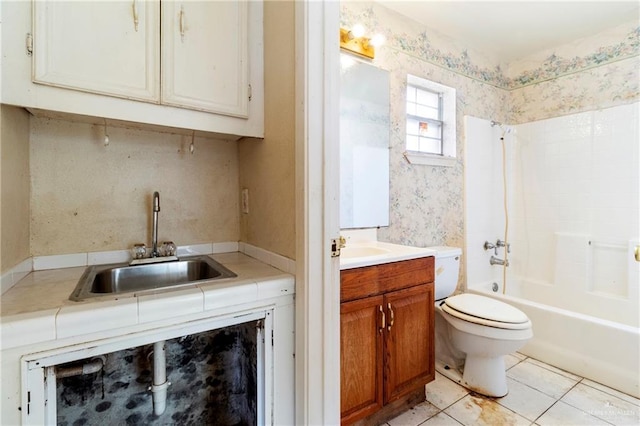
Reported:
(386, 337)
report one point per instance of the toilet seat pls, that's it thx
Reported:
(486, 311)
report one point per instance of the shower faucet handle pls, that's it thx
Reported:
(490, 246)
(501, 243)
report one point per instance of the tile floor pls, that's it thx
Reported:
(539, 394)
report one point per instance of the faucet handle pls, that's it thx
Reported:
(168, 248)
(490, 246)
(501, 243)
(139, 251)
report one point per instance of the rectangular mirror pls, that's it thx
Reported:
(364, 145)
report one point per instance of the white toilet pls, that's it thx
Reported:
(473, 333)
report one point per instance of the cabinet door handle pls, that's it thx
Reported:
(135, 15)
(182, 23)
(383, 318)
(392, 317)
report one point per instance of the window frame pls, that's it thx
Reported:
(447, 114)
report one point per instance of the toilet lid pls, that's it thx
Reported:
(485, 310)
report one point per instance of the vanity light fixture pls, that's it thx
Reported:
(354, 41)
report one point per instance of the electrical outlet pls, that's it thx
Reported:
(245, 201)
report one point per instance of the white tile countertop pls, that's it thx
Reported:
(38, 309)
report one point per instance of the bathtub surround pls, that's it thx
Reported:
(573, 186)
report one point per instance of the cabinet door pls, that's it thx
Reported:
(110, 48)
(360, 358)
(409, 350)
(204, 55)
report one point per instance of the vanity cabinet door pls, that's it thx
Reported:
(409, 351)
(204, 56)
(361, 335)
(111, 48)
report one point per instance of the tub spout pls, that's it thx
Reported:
(497, 261)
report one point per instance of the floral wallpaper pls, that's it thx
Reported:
(426, 202)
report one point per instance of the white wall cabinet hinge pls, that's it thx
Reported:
(249, 91)
(29, 44)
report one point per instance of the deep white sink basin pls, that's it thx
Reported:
(350, 252)
(365, 253)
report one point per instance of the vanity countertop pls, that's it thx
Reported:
(367, 253)
(38, 309)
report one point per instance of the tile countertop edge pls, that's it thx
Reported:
(93, 318)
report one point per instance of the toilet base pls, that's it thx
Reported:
(486, 376)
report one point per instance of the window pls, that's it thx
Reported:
(431, 123)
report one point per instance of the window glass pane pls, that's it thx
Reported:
(432, 131)
(413, 127)
(411, 94)
(431, 146)
(428, 98)
(427, 112)
(411, 108)
(412, 143)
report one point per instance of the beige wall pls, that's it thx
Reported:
(86, 197)
(267, 167)
(14, 178)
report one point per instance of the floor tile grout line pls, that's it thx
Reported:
(542, 364)
(637, 404)
(442, 411)
(579, 380)
(572, 406)
(580, 409)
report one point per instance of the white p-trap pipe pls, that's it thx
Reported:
(160, 383)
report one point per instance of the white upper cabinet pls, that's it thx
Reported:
(112, 48)
(195, 36)
(187, 64)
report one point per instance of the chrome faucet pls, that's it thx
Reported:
(499, 243)
(154, 237)
(497, 261)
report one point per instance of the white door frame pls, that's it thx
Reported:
(317, 212)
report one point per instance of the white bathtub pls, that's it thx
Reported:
(604, 351)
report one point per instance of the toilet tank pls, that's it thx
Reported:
(447, 270)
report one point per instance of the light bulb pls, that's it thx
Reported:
(357, 30)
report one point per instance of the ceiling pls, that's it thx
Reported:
(513, 29)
